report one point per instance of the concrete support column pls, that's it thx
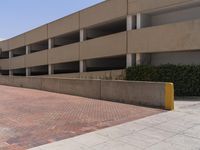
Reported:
(129, 22)
(50, 69)
(50, 43)
(142, 20)
(27, 49)
(82, 35)
(10, 56)
(130, 60)
(10, 73)
(82, 66)
(129, 57)
(139, 21)
(50, 66)
(28, 73)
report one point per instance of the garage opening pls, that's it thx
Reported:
(69, 67)
(39, 46)
(19, 51)
(19, 72)
(109, 63)
(66, 39)
(39, 70)
(104, 29)
(4, 55)
(4, 72)
(173, 15)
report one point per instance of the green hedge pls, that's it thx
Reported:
(186, 78)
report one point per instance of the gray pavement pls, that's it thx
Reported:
(174, 130)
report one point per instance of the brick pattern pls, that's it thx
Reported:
(31, 118)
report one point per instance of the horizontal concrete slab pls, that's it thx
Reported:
(111, 45)
(67, 53)
(171, 37)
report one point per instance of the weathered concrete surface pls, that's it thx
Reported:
(140, 93)
(174, 130)
(30, 118)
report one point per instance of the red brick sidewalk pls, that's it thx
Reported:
(30, 118)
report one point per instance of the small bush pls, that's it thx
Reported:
(186, 78)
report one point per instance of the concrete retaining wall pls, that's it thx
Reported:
(152, 94)
(141, 93)
(103, 75)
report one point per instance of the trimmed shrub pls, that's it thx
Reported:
(186, 78)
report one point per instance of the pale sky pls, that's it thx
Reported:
(19, 16)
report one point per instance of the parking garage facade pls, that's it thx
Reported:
(109, 36)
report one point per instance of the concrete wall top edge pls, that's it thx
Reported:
(146, 82)
(122, 81)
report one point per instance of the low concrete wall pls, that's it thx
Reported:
(139, 93)
(84, 88)
(103, 75)
(152, 94)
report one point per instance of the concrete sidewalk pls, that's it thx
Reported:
(175, 130)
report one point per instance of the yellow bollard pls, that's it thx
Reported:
(169, 96)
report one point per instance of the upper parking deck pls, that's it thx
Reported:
(98, 14)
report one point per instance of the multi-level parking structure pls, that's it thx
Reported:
(111, 35)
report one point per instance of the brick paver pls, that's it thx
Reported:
(172, 130)
(30, 118)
